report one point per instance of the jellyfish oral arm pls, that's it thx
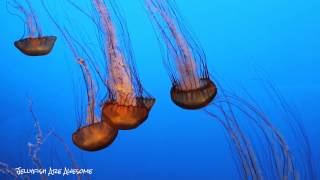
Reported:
(120, 79)
(186, 64)
(90, 90)
(184, 59)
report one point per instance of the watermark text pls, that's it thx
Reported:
(53, 171)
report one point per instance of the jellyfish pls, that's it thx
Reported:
(35, 44)
(192, 87)
(94, 134)
(128, 104)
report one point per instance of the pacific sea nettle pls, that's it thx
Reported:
(96, 134)
(35, 44)
(93, 134)
(192, 87)
(127, 105)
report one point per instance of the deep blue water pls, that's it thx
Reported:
(241, 39)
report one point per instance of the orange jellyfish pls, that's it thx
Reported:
(128, 104)
(192, 87)
(94, 134)
(35, 44)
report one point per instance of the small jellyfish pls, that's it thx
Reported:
(94, 134)
(38, 46)
(128, 105)
(192, 87)
(35, 44)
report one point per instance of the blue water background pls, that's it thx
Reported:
(242, 40)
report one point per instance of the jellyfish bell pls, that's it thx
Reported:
(194, 98)
(126, 116)
(38, 46)
(94, 137)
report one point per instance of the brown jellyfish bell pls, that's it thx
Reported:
(95, 136)
(194, 98)
(127, 116)
(33, 45)
(192, 87)
(127, 105)
(36, 46)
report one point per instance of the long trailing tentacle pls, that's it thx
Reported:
(69, 154)
(282, 161)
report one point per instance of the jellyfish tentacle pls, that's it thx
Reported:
(248, 146)
(285, 164)
(90, 87)
(297, 129)
(69, 153)
(251, 158)
(234, 138)
(281, 159)
(288, 166)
